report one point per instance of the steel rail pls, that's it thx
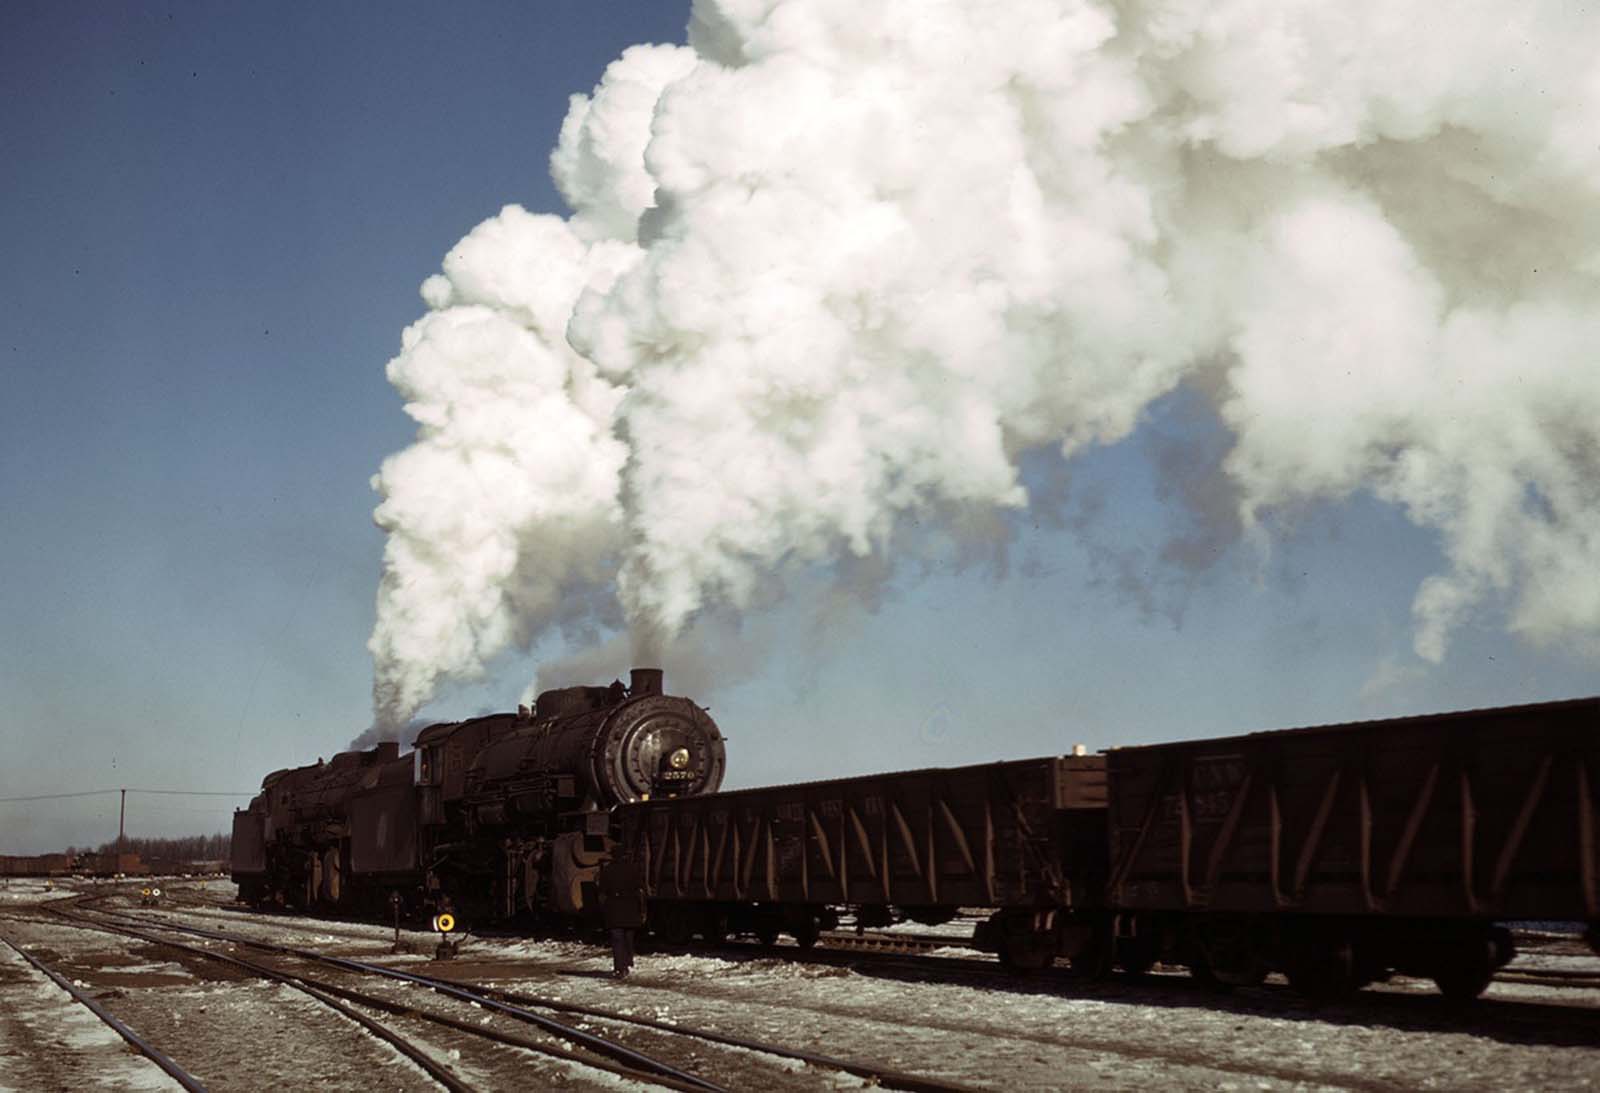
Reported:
(434, 1070)
(317, 988)
(139, 1043)
(633, 1059)
(1554, 973)
(881, 1076)
(910, 943)
(1553, 977)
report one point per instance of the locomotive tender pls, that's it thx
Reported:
(487, 817)
(1336, 855)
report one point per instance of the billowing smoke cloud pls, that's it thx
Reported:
(834, 266)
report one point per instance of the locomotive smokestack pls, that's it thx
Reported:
(645, 681)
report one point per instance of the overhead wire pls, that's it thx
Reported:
(129, 789)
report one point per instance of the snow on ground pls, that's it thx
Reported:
(959, 929)
(1556, 962)
(33, 890)
(233, 1033)
(1111, 1036)
(48, 1040)
(1019, 1034)
(1042, 1040)
(166, 968)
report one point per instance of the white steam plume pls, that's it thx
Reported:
(836, 264)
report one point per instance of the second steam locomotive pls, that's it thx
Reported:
(489, 817)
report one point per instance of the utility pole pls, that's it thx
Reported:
(122, 818)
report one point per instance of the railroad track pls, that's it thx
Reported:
(1545, 1020)
(619, 1058)
(1573, 979)
(871, 941)
(907, 955)
(139, 1043)
(843, 948)
(624, 1062)
(348, 928)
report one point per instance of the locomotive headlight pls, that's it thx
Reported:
(679, 758)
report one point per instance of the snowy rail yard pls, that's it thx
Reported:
(236, 1032)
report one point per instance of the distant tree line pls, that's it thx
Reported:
(183, 848)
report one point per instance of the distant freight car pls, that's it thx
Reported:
(1026, 837)
(110, 865)
(1338, 853)
(37, 865)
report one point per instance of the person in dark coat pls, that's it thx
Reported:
(622, 899)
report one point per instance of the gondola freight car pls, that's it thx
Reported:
(1340, 853)
(1024, 837)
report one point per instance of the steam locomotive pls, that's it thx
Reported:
(490, 818)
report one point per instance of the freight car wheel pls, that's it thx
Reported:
(1202, 972)
(1230, 951)
(806, 932)
(1095, 962)
(1471, 967)
(1088, 945)
(1325, 972)
(1462, 984)
(1027, 952)
(674, 925)
(1137, 955)
(714, 927)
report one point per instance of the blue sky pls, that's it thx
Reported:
(214, 222)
